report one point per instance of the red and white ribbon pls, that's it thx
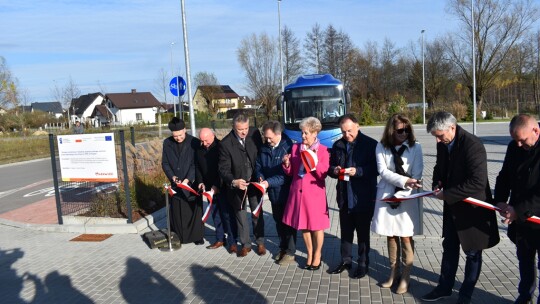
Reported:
(344, 175)
(262, 189)
(482, 204)
(170, 190)
(309, 159)
(207, 197)
(185, 186)
(470, 200)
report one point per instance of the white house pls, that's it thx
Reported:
(132, 108)
(82, 108)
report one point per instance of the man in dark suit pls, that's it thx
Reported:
(237, 159)
(354, 152)
(206, 165)
(520, 176)
(460, 172)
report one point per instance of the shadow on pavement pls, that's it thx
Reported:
(215, 285)
(56, 288)
(141, 284)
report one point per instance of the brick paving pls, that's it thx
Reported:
(45, 267)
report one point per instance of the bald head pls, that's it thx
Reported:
(207, 137)
(525, 131)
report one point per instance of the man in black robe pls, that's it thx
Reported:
(178, 163)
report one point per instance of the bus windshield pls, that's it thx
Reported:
(323, 102)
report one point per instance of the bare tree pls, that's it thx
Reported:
(65, 95)
(498, 26)
(162, 85)
(209, 88)
(313, 45)
(438, 72)
(258, 56)
(292, 60)
(9, 95)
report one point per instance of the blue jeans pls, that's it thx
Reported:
(222, 220)
(450, 261)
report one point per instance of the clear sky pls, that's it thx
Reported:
(119, 45)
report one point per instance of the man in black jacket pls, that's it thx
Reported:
(206, 165)
(237, 158)
(520, 176)
(461, 172)
(355, 153)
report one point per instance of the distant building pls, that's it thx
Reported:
(132, 108)
(222, 95)
(53, 108)
(101, 116)
(247, 103)
(82, 108)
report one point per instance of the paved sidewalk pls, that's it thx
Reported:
(46, 267)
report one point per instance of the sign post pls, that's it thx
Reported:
(177, 86)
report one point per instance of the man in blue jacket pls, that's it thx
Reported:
(270, 173)
(354, 153)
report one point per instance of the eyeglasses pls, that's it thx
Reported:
(403, 130)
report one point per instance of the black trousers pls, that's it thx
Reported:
(257, 222)
(286, 233)
(528, 246)
(361, 223)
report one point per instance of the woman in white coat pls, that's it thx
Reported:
(400, 165)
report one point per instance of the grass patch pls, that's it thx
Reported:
(18, 149)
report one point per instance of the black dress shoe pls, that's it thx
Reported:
(307, 267)
(313, 268)
(200, 242)
(340, 268)
(360, 272)
(435, 295)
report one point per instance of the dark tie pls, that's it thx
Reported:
(243, 142)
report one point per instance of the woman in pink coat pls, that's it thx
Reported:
(306, 207)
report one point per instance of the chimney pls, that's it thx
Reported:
(133, 91)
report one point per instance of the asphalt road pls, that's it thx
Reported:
(25, 183)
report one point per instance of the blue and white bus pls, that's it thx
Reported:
(318, 95)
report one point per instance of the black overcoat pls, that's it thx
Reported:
(364, 184)
(179, 160)
(519, 179)
(463, 173)
(232, 162)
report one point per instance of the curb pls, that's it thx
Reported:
(87, 226)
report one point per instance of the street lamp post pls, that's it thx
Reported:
(172, 73)
(473, 68)
(280, 50)
(188, 75)
(423, 83)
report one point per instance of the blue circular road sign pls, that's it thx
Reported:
(177, 86)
